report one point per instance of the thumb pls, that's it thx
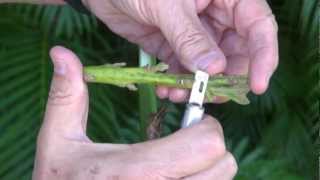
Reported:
(67, 106)
(196, 49)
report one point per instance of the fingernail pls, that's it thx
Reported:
(60, 67)
(206, 62)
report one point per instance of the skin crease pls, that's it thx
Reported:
(64, 151)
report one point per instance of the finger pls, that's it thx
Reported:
(225, 169)
(151, 42)
(254, 20)
(178, 95)
(192, 44)
(220, 99)
(236, 49)
(181, 95)
(264, 55)
(162, 92)
(165, 52)
(67, 106)
(232, 44)
(202, 5)
(237, 65)
(185, 152)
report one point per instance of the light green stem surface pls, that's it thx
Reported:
(233, 87)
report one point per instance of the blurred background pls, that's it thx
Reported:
(275, 137)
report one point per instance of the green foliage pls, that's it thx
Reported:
(272, 138)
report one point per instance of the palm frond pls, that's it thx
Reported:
(61, 20)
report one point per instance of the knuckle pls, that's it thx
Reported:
(187, 39)
(59, 94)
(231, 164)
(165, 53)
(213, 143)
(63, 93)
(213, 125)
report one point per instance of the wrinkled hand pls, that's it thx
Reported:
(219, 36)
(65, 152)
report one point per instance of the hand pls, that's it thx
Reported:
(219, 36)
(65, 152)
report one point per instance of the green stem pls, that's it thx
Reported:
(147, 97)
(233, 87)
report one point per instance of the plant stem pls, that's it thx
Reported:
(147, 98)
(233, 87)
